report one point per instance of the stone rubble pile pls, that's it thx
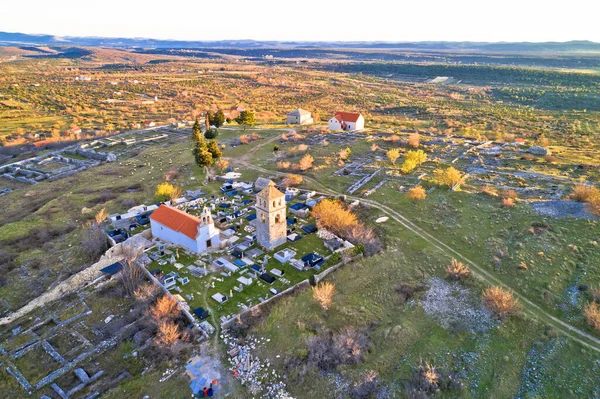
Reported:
(251, 371)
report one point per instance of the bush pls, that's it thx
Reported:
(93, 243)
(165, 308)
(501, 302)
(584, 193)
(417, 193)
(326, 351)
(164, 191)
(508, 202)
(427, 380)
(450, 177)
(211, 134)
(168, 333)
(323, 294)
(292, 180)
(592, 315)
(367, 387)
(490, 190)
(457, 270)
(512, 194)
(414, 140)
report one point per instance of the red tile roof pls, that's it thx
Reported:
(176, 220)
(346, 116)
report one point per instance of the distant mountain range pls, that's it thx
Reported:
(23, 39)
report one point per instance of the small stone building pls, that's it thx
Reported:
(299, 117)
(271, 223)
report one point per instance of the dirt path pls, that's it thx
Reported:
(529, 307)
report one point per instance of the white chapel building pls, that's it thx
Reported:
(176, 226)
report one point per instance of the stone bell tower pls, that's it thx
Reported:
(271, 215)
(208, 236)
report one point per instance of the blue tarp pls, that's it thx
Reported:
(224, 206)
(239, 263)
(112, 269)
(251, 217)
(290, 221)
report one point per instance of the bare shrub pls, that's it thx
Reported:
(417, 193)
(428, 380)
(100, 216)
(93, 243)
(595, 292)
(306, 162)
(508, 137)
(165, 308)
(168, 333)
(244, 139)
(490, 190)
(592, 314)
(326, 351)
(414, 140)
(501, 302)
(132, 274)
(292, 180)
(550, 159)
(302, 147)
(457, 270)
(323, 294)
(512, 194)
(364, 235)
(146, 292)
(283, 165)
(508, 202)
(584, 193)
(366, 387)
(352, 345)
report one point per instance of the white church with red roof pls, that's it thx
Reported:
(180, 228)
(346, 121)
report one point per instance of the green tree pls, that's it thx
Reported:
(211, 134)
(218, 119)
(202, 156)
(196, 132)
(215, 151)
(245, 119)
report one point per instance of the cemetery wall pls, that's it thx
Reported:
(301, 286)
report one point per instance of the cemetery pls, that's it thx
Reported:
(239, 273)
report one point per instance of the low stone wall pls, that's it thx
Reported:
(304, 284)
(319, 277)
(301, 286)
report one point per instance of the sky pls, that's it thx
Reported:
(309, 20)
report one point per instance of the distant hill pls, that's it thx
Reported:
(22, 39)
